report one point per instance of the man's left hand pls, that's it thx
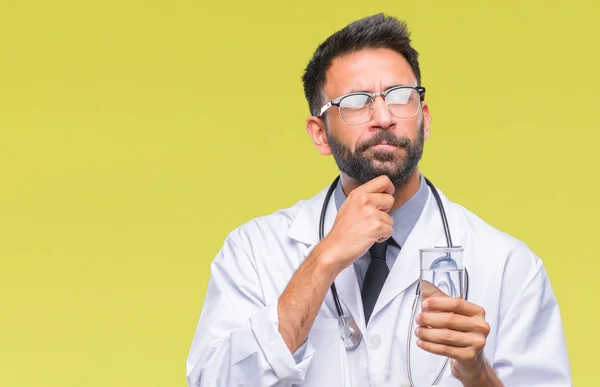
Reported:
(454, 328)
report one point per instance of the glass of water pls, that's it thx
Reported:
(442, 272)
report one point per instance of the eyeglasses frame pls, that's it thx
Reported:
(336, 101)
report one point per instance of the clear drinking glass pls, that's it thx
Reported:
(442, 272)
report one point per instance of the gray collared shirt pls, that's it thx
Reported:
(405, 219)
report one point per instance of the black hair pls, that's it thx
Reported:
(377, 31)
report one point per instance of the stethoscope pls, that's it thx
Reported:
(349, 331)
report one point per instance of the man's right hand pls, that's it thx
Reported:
(361, 221)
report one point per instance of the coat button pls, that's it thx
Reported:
(374, 341)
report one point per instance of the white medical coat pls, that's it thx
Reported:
(237, 342)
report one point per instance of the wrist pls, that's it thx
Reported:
(468, 373)
(478, 374)
(327, 259)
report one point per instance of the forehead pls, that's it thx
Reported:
(368, 70)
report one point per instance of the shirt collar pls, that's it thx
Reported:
(405, 217)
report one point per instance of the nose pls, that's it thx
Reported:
(382, 118)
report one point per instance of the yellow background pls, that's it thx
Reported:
(134, 135)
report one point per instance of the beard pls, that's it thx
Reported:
(363, 168)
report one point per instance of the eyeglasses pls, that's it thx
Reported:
(357, 108)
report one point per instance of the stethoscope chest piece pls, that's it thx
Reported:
(349, 332)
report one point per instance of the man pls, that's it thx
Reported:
(269, 317)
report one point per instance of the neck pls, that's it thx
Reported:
(401, 195)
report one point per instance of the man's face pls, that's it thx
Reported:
(358, 149)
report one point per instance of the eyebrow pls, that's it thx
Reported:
(359, 89)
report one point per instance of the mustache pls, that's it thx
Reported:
(379, 137)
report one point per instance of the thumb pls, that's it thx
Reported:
(429, 290)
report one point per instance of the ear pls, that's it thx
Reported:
(315, 127)
(426, 119)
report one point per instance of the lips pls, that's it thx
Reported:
(384, 145)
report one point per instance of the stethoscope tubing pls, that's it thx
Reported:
(336, 299)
